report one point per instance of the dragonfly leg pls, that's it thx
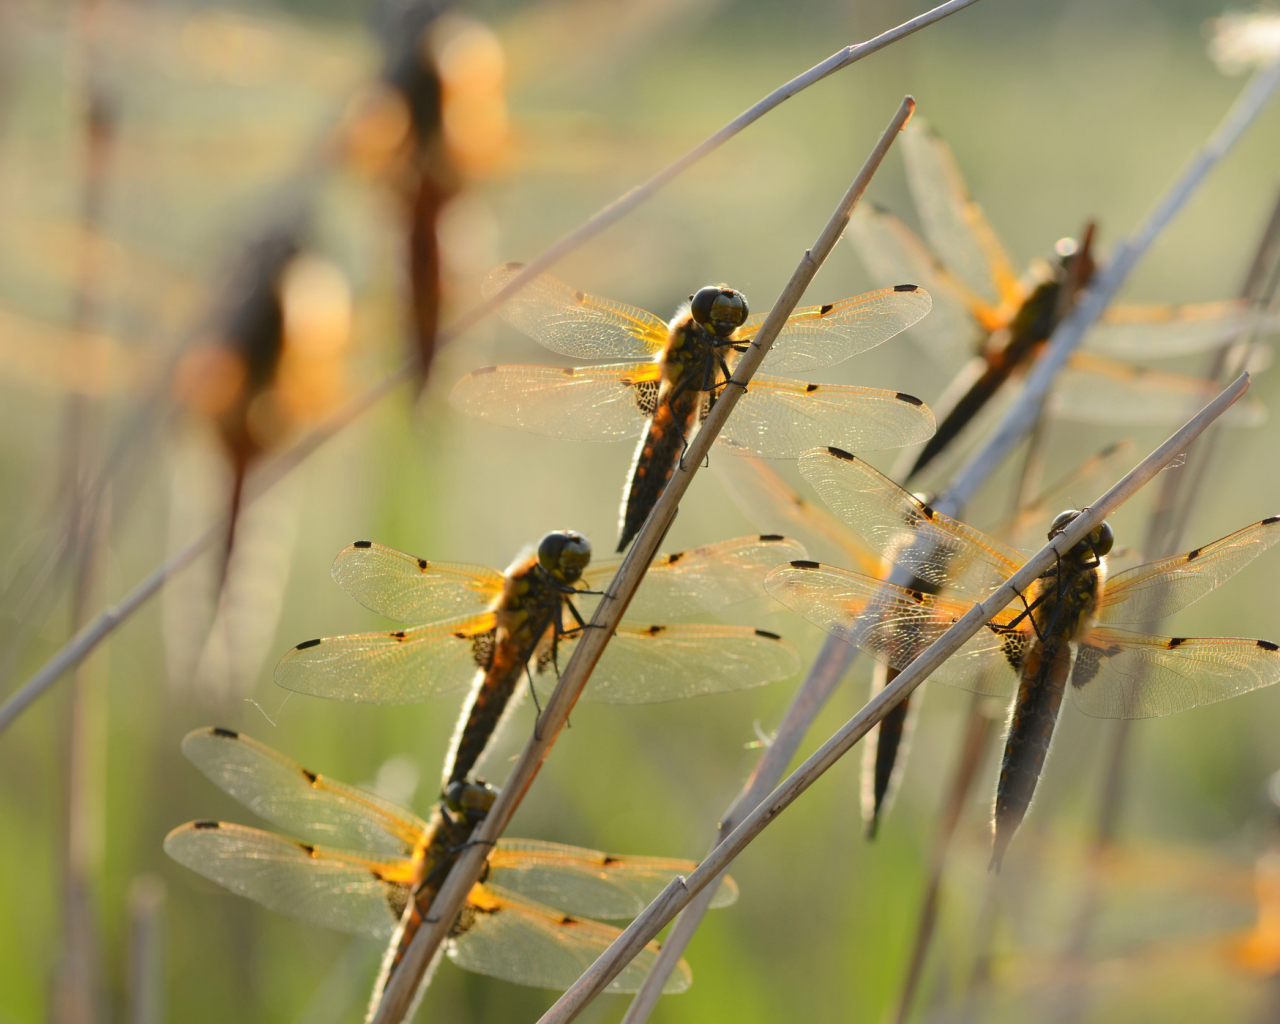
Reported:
(1026, 613)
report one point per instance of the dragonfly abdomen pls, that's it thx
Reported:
(656, 458)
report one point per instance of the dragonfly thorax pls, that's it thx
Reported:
(719, 308)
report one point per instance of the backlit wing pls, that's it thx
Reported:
(953, 223)
(1119, 674)
(506, 936)
(1160, 331)
(1147, 593)
(1097, 390)
(299, 801)
(894, 625)
(391, 668)
(818, 336)
(588, 882)
(584, 403)
(699, 579)
(938, 550)
(779, 418)
(411, 589)
(652, 664)
(574, 323)
(329, 888)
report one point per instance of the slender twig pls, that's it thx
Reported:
(146, 951)
(678, 894)
(79, 646)
(466, 871)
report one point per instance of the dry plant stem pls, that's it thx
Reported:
(465, 872)
(82, 643)
(681, 890)
(146, 951)
(824, 676)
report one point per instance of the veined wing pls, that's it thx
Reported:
(1098, 390)
(953, 222)
(391, 668)
(330, 888)
(506, 936)
(652, 664)
(574, 323)
(701, 579)
(1161, 331)
(934, 548)
(894, 624)
(779, 418)
(818, 336)
(588, 882)
(299, 801)
(584, 403)
(411, 589)
(1147, 593)
(1119, 674)
(771, 505)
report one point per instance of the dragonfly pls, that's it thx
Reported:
(687, 362)
(357, 861)
(981, 306)
(1068, 632)
(492, 630)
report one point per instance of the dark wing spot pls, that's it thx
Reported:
(926, 511)
(904, 287)
(567, 371)
(579, 296)
(803, 564)
(397, 635)
(609, 860)
(305, 644)
(513, 266)
(655, 630)
(902, 396)
(770, 538)
(809, 388)
(840, 453)
(827, 307)
(1270, 519)
(917, 596)
(674, 557)
(483, 370)
(229, 734)
(1176, 641)
(422, 564)
(767, 635)
(312, 777)
(1193, 554)
(363, 544)
(647, 397)
(1267, 645)
(205, 824)
(310, 850)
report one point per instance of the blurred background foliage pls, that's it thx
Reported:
(1057, 112)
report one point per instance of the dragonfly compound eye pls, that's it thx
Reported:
(720, 309)
(470, 800)
(1103, 537)
(1060, 522)
(564, 554)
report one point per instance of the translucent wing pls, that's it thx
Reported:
(953, 222)
(1147, 593)
(391, 668)
(588, 882)
(934, 548)
(585, 403)
(1136, 675)
(895, 625)
(818, 336)
(701, 579)
(330, 888)
(1098, 390)
(1161, 331)
(891, 251)
(651, 664)
(779, 418)
(300, 801)
(574, 323)
(506, 936)
(411, 589)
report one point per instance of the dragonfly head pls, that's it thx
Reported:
(1099, 540)
(470, 800)
(564, 554)
(719, 308)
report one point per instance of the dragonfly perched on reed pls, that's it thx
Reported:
(1067, 633)
(687, 361)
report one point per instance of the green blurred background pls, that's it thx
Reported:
(1057, 112)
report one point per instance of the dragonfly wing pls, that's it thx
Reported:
(391, 668)
(818, 336)
(779, 418)
(299, 801)
(1147, 593)
(1162, 331)
(588, 882)
(411, 589)
(585, 403)
(954, 224)
(1137, 675)
(702, 579)
(1093, 389)
(574, 323)
(330, 888)
(940, 551)
(506, 936)
(894, 624)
